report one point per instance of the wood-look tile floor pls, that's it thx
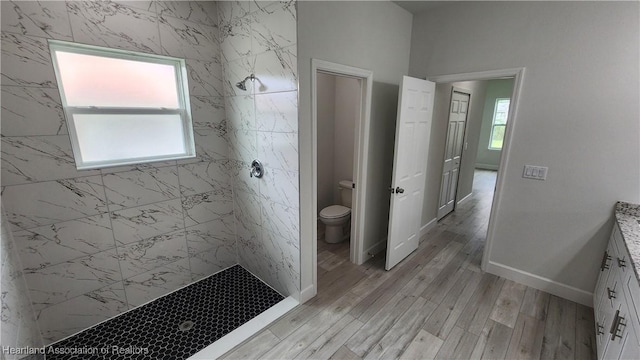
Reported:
(436, 304)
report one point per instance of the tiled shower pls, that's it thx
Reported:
(91, 244)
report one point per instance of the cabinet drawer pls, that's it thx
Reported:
(621, 260)
(622, 344)
(632, 298)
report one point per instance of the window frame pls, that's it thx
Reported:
(494, 125)
(183, 110)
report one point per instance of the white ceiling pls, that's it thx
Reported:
(418, 6)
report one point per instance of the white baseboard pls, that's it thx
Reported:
(375, 249)
(307, 294)
(465, 199)
(428, 226)
(541, 283)
(486, 166)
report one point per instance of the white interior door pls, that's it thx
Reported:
(413, 127)
(453, 152)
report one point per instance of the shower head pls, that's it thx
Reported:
(242, 85)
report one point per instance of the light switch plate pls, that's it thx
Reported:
(535, 172)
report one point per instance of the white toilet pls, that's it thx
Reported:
(337, 218)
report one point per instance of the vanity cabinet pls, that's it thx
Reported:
(617, 303)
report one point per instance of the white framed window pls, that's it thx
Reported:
(123, 107)
(499, 123)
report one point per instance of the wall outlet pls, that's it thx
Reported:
(535, 172)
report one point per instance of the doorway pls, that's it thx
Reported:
(506, 144)
(364, 79)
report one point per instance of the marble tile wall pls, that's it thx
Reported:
(262, 123)
(18, 326)
(96, 243)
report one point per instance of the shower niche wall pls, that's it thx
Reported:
(96, 243)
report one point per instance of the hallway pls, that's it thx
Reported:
(437, 303)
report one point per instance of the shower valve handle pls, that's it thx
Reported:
(256, 169)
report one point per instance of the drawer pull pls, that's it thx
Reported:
(611, 294)
(622, 262)
(618, 321)
(600, 330)
(605, 258)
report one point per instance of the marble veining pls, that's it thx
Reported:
(277, 112)
(26, 61)
(281, 187)
(277, 70)
(242, 180)
(54, 284)
(38, 18)
(276, 261)
(162, 225)
(259, 37)
(202, 12)
(235, 38)
(205, 207)
(44, 203)
(211, 144)
(78, 313)
(240, 112)
(273, 29)
(157, 282)
(272, 6)
(278, 150)
(237, 70)
(228, 10)
(52, 244)
(188, 40)
(142, 256)
(280, 220)
(628, 218)
(27, 159)
(208, 112)
(106, 23)
(211, 247)
(141, 187)
(243, 144)
(219, 232)
(247, 209)
(204, 177)
(139, 167)
(143, 222)
(32, 111)
(205, 78)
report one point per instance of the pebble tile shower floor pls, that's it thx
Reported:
(177, 325)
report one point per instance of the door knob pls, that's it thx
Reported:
(399, 190)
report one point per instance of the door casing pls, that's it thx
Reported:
(518, 77)
(356, 252)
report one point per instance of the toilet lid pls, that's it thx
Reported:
(334, 211)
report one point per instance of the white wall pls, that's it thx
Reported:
(326, 112)
(338, 111)
(369, 35)
(578, 115)
(347, 113)
(488, 158)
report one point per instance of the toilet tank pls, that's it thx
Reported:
(346, 187)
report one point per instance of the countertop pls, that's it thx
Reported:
(627, 216)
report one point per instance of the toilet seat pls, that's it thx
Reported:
(334, 212)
